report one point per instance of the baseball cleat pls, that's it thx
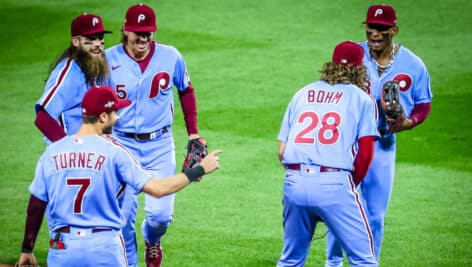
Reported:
(153, 254)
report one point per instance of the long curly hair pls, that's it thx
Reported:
(334, 73)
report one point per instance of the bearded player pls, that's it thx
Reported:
(387, 61)
(79, 67)
(146, 72)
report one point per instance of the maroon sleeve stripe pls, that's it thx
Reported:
(59, 81)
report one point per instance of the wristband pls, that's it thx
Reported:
(26, 250)
(195, 173)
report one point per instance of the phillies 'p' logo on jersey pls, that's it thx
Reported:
(95, 21)
(404, 80)
(160, 81)
(141, 17)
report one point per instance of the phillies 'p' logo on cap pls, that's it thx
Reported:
(95, 21)
(140, 18)
(381, 14)
(87, 24)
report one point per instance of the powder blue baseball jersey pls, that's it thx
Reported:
(81, 179)
(63, 93)
(323, 120)
(151, 92)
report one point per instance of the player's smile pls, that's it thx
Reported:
(376, 45)
(378, 36)
(140, 42)
(96, 52)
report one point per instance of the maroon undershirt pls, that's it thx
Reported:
(34, 218)
(363, 158)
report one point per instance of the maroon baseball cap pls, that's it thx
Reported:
(381, 14)
(100, 99)
(348, 53)
(87, 24)
(140, 18)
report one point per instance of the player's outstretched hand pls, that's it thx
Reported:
(211, 162)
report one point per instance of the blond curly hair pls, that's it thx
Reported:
(334, 73)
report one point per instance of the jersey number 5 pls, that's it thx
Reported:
(328, 133)
(160, 81)
(84, 184)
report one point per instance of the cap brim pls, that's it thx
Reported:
(141, 29)
(123, 103)
(94, 32)
(379, 22)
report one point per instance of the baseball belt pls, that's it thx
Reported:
(297, 167)
(147, 136)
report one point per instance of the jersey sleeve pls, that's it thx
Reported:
(38, 186)
(181, 77)
(128, 170)
(369, 116)
(60, 88)
(422, 93)
(285, 125)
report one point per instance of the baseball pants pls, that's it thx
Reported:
(85, 247)
(311, 197)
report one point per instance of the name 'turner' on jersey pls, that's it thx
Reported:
(85, 160)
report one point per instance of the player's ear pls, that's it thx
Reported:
(75, 41)
(103, 117)
(394, 30)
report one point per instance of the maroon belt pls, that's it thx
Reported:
(296, 167)
(66, 230)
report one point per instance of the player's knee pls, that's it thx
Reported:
(153, 229)
(376, 221)
(158, 221)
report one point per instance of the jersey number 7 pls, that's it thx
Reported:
(84, 184)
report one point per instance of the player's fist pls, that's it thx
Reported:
(27, 260)
(211, 162)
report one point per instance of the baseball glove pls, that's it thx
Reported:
(196, 151)
(390, 102)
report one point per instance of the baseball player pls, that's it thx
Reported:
(387, 61)
(79, 179)
(146, 72)
(326, 144)
(77, 68)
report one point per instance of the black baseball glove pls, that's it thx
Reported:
(196, 151)
(390, 103)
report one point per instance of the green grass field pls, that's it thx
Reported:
(246, 59)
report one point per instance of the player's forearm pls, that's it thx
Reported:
(34, 218)
(419, 113)
(49, 126)
(165, 186)
(159, 187)
(188, 102)
(281, 150)
(363, 159)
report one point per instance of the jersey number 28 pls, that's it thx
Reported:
(328, 132)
